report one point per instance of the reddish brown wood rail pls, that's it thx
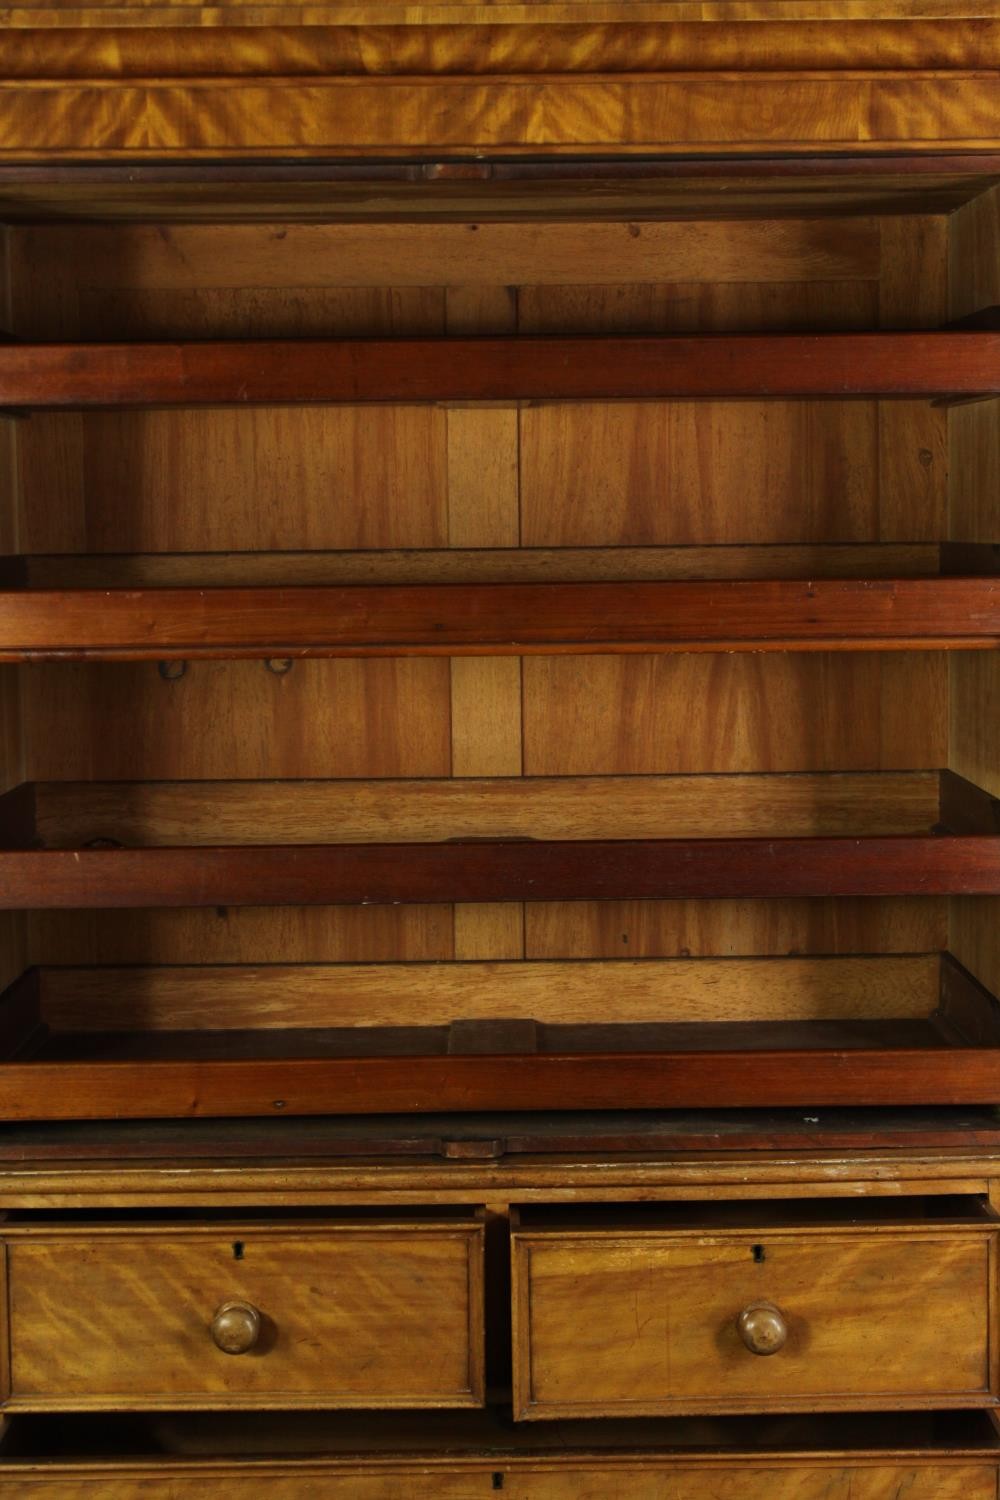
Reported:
(961, 363)
(384, 874)
(446, 619)
(386, 1085)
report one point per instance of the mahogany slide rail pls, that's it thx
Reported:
(498, 618)
(951, 363)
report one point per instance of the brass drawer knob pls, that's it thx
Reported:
(762, 1328)
(236, 1327)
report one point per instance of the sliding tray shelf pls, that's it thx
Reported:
(162, 1043)
(946, 364)
(955, 851)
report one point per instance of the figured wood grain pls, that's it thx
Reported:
(500, 618)
(485, 369)
(351, 874)
(247, 13)
(118, 999)
(919, 109)
(214, 48)
(662, 1334)
(351, 1317)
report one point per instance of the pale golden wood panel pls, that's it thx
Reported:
(645, 1322)
(354, 1317)
(645, 1478)
(228, 719)
(486, 716)
(222, 480)
(628, 474)
(248, 935)
(597, 715)
(182, 999)
(743, 113)
(282, 258)
(669, 929)
(350, 811)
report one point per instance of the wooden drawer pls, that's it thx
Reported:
(649, 1317)
(357, 1313)
(380, 1461)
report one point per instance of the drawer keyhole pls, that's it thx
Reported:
(759, 1254)
(238, 1250)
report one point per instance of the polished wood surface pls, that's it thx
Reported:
(767, 270)
(374, 874)
(487, 369)
(646, 1322)
(499, 619)
(333, 116)
(363, 1315)
(298, 1081)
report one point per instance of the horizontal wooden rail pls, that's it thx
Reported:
(387, 1085)
(499, 618)
(914, 364)
(387, 874)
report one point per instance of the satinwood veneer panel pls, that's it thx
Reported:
(377, 1314)
(635, 1319)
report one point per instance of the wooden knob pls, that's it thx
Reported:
(762, 1328)
(236, 1327)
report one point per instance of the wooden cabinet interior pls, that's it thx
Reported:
(586, 664)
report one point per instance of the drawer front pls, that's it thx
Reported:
(345, 1316)
(650, 1323)
(646, 1480)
